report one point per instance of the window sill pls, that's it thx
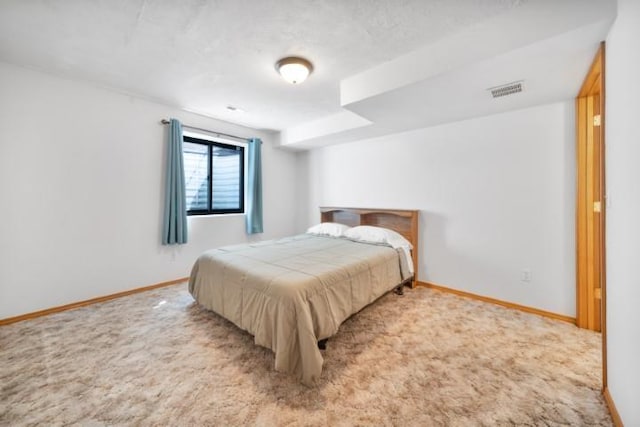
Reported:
(216, 215)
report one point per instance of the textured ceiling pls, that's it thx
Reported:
(203, 55)
(548, 45)
(381, 66)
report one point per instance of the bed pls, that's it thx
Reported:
(293, 293)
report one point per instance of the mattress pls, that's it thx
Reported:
(292, 292)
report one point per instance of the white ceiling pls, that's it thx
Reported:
(381, 66)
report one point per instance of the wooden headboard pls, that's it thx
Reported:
(402, 221)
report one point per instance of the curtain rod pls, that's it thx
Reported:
(166, 122)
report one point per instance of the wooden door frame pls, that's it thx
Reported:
(593, 85)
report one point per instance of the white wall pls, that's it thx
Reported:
(623, 215)
(81, 177)
(496, 196)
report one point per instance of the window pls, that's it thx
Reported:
(214, 177)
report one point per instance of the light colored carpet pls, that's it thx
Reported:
(424, 359)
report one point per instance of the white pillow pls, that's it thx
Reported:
(379, 235)
(332, 229)
(371, 234)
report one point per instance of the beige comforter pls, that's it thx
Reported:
(291, 293)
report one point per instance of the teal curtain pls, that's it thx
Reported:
(175, 204)
(254, 188)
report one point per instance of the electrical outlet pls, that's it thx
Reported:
(525, 275)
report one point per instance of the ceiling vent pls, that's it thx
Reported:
(508, 89)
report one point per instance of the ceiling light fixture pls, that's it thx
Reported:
(294, 69)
